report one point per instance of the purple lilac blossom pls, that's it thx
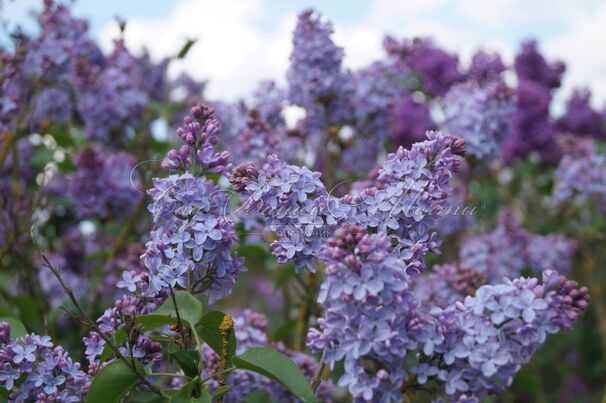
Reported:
(581, 176)
(530, 65)
(580, 118)
(481, 115)
(113, 100)
(294, 203)
(438, 70)
(105, 184)
(474, 347)
(44, 372)
(485, 67)
(533, 129)
(509, 249)
(411, 120)
(193, 235)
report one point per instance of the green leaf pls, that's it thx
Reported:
(210, 333)
(17, 328)
(185, 49)
(221, 390)
(185, 394)
(152, 321)
(29, 313)
(278, 367)
(256, 396)
(111, 383)
(5, 312)
(190, 308)
(188, 361)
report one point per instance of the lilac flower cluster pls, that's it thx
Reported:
(251, 331)
(533, 129)
(580, 118)
(294, 203)
(190, 245)
(438, 70)
(122, 315)
(373, 322)
(33, 369)
(485, 67)
(509, 249)
(477, 346)
(581, 176)
(366, 308)
(481, 115)
(112, 100)
(199, 132)
(315, 78)
(446, 284)
(105, 184)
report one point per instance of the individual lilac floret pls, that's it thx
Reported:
(580, 118)
(438, 70)
(251, 331)
(581, 177)
(199, 132)
(39, 369)
(105, 184)
(481, 115)
(485, 67)
(530, 65)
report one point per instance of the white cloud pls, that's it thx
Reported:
(582, 48)
(233, 52)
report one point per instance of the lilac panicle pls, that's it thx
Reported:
(190, 245)
(530, 65)
(580, 118)
(40, 369)
(438, 70)
(481, 115)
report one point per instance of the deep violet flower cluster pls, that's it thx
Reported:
(580, 118)
(251, 331)
(485, 67)
(32, 368)
(581, 176)
(373, 322)
(438, 70)
(192, 237)
(509, 249)
(105, 184)
(533, 129)
(481, 115)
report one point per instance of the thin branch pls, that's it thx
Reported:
(94, 325)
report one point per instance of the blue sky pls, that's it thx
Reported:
(242, 41)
